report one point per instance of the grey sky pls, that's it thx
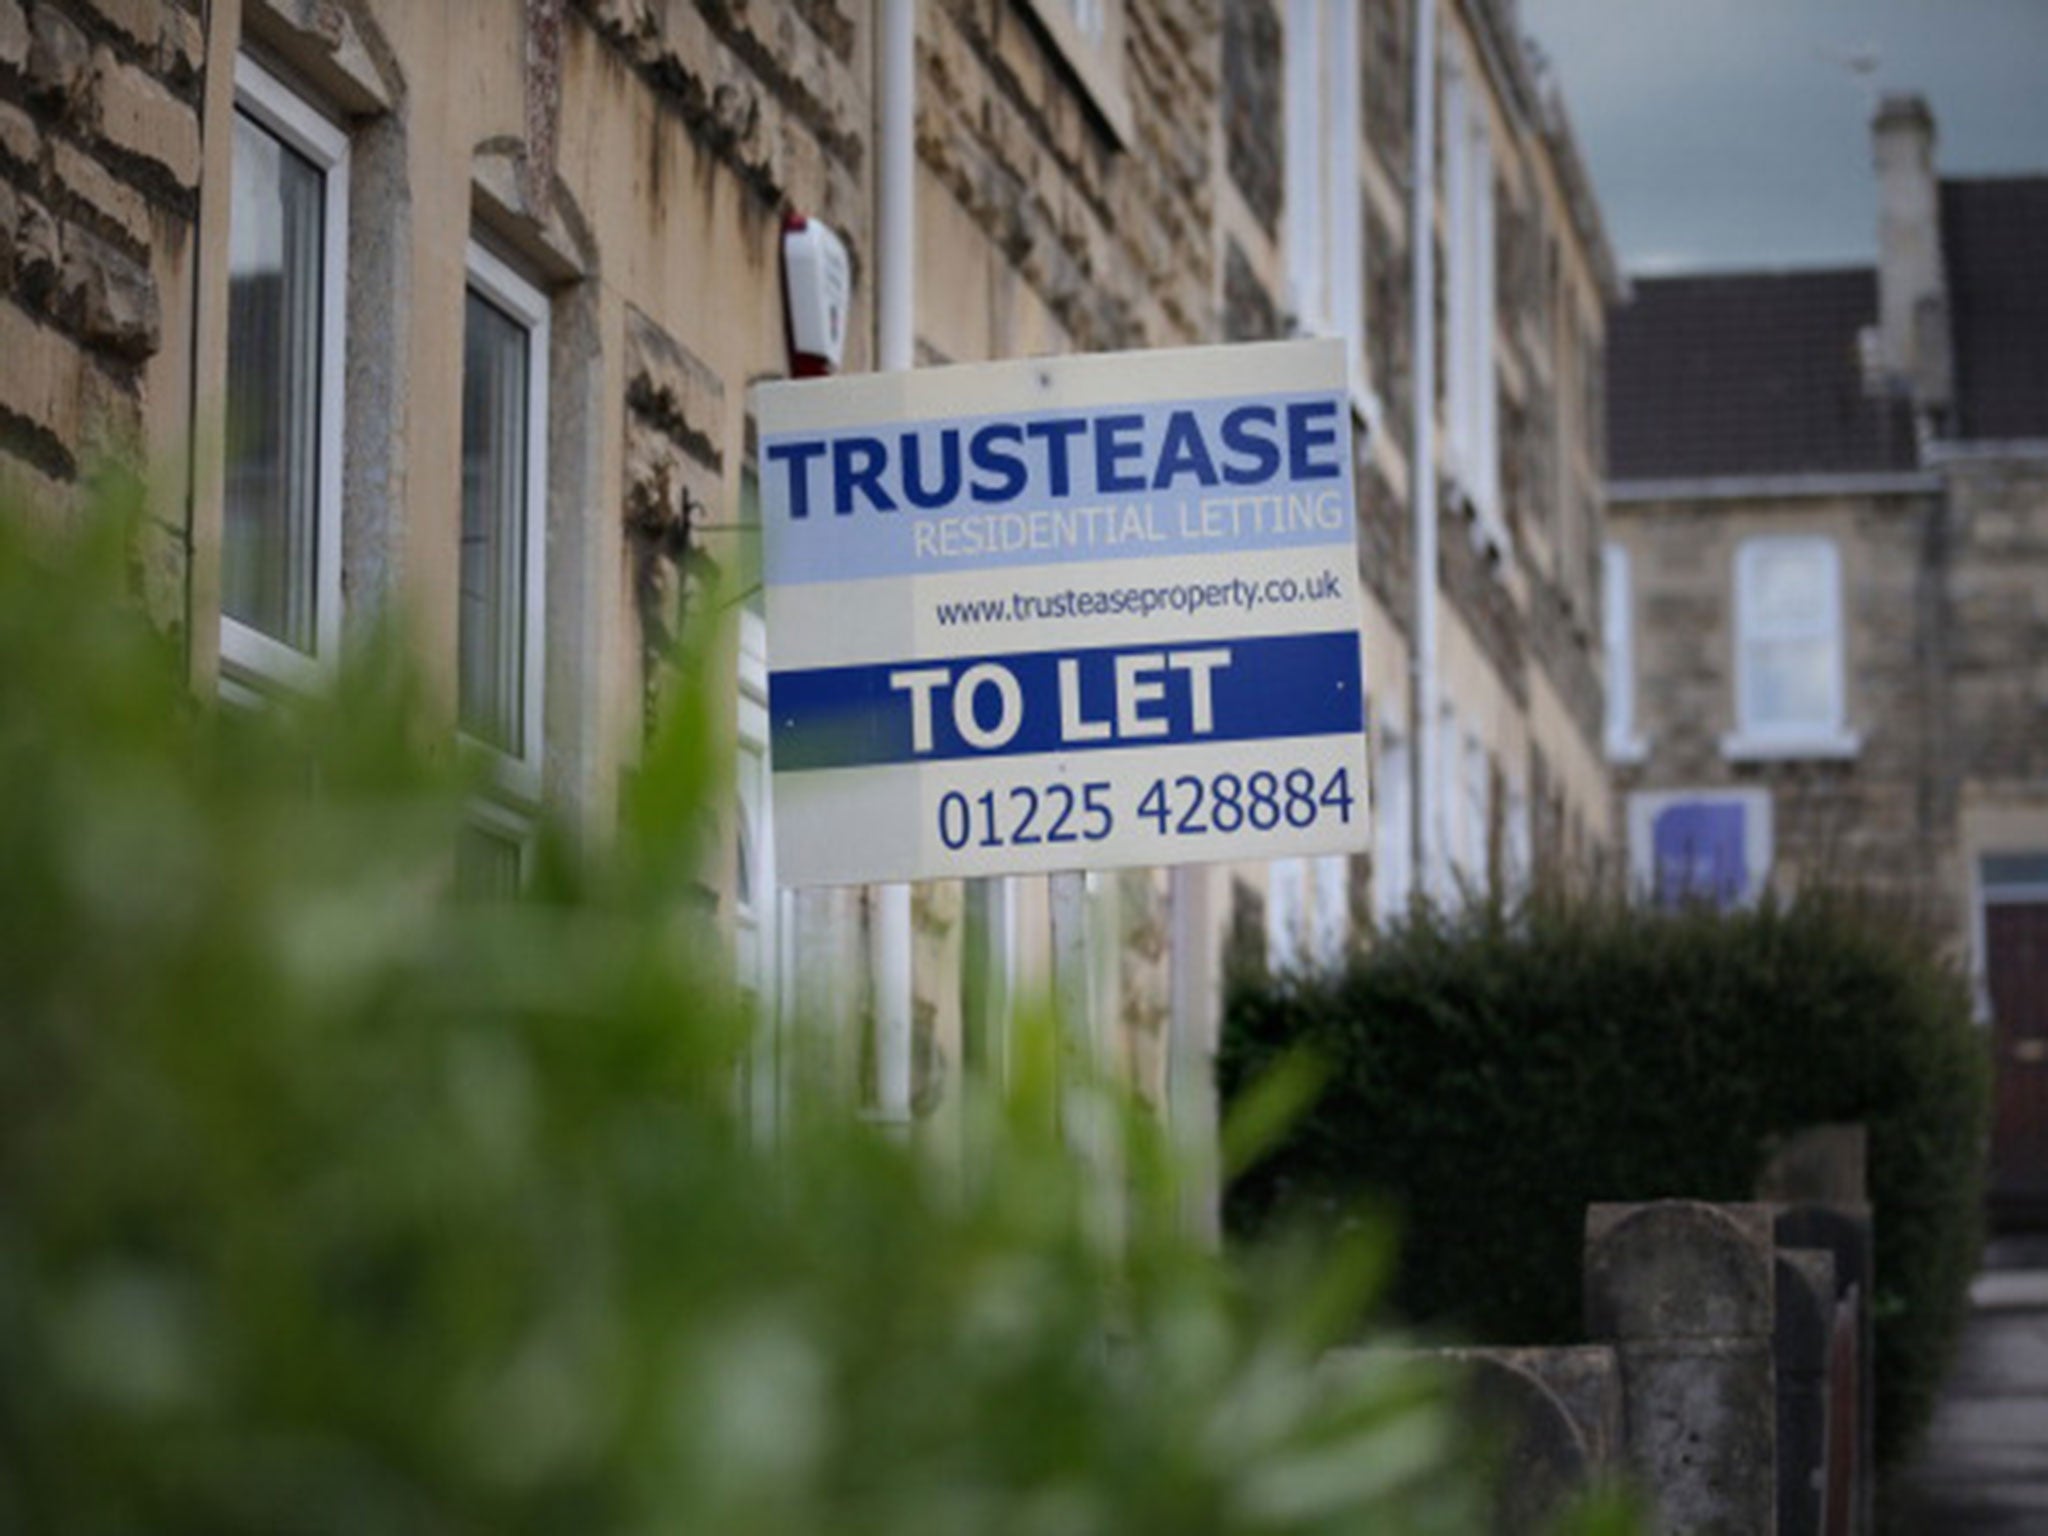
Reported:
(1735, 133)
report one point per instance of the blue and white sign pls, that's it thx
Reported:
(1063, 614)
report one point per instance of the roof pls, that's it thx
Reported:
(1995, 247)
(1749, 374)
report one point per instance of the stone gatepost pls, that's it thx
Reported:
(1553, 1415)
(1803, 1342)
(1846, 1234)
(1683, 1291)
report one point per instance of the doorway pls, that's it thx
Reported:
(2015, 891)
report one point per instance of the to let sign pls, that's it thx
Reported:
(1063, 614)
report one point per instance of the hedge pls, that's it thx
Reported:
(1494, 1072)
(332, 1201)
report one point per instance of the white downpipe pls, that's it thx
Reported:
(889, 932)
(1423, 689)
(896, 190)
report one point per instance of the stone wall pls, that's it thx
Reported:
(99, 171)
(1947, 688)
(1254, 119)
(775, 94)
(1111, 237)
(1996, 554)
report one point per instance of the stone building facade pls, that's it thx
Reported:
(1829, 585)
(448, 312)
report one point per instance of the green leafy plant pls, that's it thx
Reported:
(332, 1203)
(1492, 1073)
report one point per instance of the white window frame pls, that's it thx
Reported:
(1476, 809)
(1330, 923)
(496, 281)
(1517, 850)
(515, 827)
(1325, 207)
(1625, 744)
(1449, 773)
(764, 957)
(1393, 883)
(1471, 390)
(1286, 913)
(253, 656)
(1829, 737)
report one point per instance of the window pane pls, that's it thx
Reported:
(1620, 663)
(1790, 683)
(492, 635)
(748, 558)
(486, 864)
(1788, 588)
(270, 539)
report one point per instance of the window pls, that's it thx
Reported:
(1091, 17)
(504, 484)
(1449, 818)
(1788, 639)
(493, 851)
(1517, 858)
(1286, 913)
(1618, 630)
(1393, 834)
(1330, 926)
(1471, 404)
(1088, 36)
(1325, 209)
(1476, 811)
(1712, 845)
(988, 977)
(762, 924)
(281, 489)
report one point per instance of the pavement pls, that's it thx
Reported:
(1984, 1469)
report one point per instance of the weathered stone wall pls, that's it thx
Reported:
(1884, 814)
(1946, 609)
(1254, 109)
(1111, 237)
(775, 94)
(1997, 648)
(99, 171)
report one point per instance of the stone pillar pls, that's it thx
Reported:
(1803, 1337)
(1553, 1414)
(1683, 1291)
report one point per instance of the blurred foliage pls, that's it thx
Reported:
(1495, 1071)
(332, 1203)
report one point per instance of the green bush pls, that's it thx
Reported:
(1491, 1074)
(331, 1204)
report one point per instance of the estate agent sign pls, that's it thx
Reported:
(1063, 614)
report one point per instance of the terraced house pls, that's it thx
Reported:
(1828, 586)
(450, 311)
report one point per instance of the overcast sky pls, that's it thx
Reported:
(1735, 133)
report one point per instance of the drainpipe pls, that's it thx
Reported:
(1423, 691)
(889, 936)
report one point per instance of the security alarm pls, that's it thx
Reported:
(817, 287)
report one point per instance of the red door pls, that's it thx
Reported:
(2016, 970)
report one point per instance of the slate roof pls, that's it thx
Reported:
(1995, 247)
(1749, 373)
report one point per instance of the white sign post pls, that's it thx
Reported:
(1063, 614)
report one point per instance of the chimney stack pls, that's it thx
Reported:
(1913, 330)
